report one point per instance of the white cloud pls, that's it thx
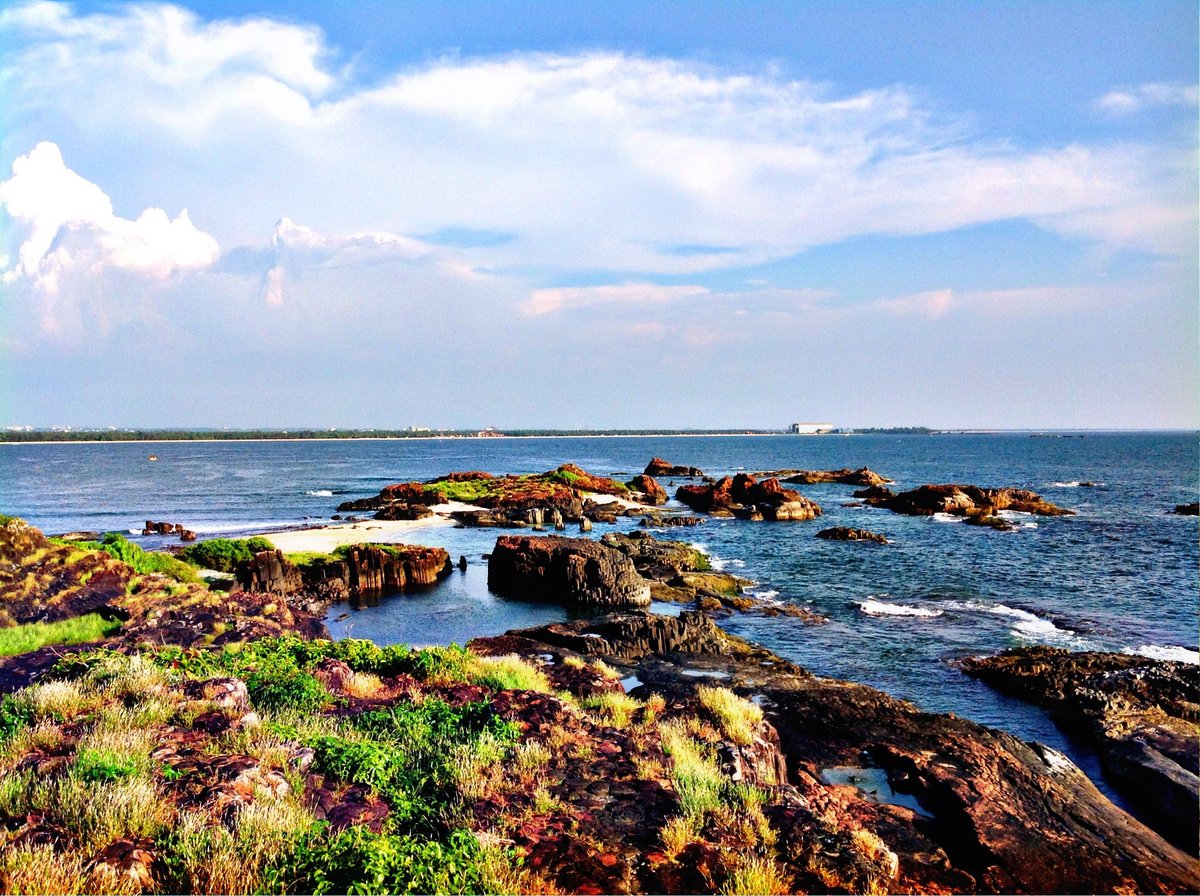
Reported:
(595, 160)
(931, 304)
(642, 295)
(1128, 100)
(1031, 301)
(67, 223)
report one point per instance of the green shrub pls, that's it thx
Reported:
(224, 554)
(24, 638)
(15, 717)
(358, 861)
(103, 765)
(144, 563)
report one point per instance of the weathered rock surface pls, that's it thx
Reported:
(949, 805)
(960, 500)
(571, 571)
(1142, 715)
(861, 476)
(651, 491)
(666, 521)
(1192, 509)
(745, 496)
(660, 467)
(845, 533)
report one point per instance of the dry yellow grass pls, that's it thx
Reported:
(737, 716)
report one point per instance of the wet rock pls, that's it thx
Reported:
(401, 510)
(572, 571)
(658, 521)
(845, 533)
(1192, 509)
(1141, 714)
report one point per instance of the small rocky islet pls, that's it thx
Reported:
(624, 752)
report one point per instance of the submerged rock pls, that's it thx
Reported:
(845, 533)
(570, 571)
(1192, 509)
(1141, 714)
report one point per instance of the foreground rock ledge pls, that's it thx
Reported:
(1142, 716)
(962, 808)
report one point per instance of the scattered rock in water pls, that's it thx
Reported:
(845, 533)
(745, 496)
(153, 528)
(960, 500)
(861, 476)
(1141, 714)
(990, 520)
(649, 490)
(660, 467)
(1192, 509)
(657, 521)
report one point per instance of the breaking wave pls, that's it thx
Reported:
(1156, 652)
(872, 607)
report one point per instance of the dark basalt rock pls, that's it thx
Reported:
(960, 500)
(400, 510)
(1192, 509)
(1142, 715)
(660, 467)
(656, 521)
(845, 533)
(745, 496)
(572, 571)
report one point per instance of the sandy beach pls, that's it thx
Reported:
(325, 538)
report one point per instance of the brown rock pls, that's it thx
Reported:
(660, 467)
(845, 533)
(652, 492)
(960, 500)
(861, 476)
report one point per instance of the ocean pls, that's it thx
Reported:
(1121, 574)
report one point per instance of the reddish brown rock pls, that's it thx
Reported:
(652, 492)
(745, 496)
(571, 571)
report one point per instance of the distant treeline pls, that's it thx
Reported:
(166, 435)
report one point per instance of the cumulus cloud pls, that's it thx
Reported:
(1128, 100)
(66, 223)
(594, 160)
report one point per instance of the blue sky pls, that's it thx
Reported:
(463, 214)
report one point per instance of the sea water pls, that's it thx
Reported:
(1121, 574)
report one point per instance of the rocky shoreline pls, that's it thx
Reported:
(624, 752)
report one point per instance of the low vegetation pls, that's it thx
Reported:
(20, 639)
(224, 554)
(142, 562)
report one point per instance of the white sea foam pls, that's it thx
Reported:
(720, 565)
(1027, 626)
(320, 493)
(946, 518)
(1157, 652)
(767, 594)
(873, 607)
(1072, 484)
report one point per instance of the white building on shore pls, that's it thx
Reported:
(810, 429)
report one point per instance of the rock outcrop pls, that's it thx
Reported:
(1142, 715)
(960, 500)
(861, 476)
(845, 533)
(660, 467)
(936, 804)
(1192, 509)
(571, 571)
(651, 491)
(361, 571)
(747, 497)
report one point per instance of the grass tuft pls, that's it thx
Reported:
(737, 716)
(510, 673)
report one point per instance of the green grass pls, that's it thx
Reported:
(737, 716)
(224, 554)
(468, 490)
(510, 673)
(24, 638)
(143, 562)
(309, 558)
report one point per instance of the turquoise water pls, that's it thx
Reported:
(1120, 575)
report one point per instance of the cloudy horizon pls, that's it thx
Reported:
(251, 218)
